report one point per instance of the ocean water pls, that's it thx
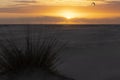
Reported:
(92, 51)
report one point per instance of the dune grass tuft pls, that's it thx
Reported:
(35, 54)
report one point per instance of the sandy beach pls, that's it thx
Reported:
(91, 52)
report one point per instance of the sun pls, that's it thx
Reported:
(68, 14)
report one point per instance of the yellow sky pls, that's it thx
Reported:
(56, 9)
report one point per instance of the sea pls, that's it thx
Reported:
(92, 51)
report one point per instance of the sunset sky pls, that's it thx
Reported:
(59, 12)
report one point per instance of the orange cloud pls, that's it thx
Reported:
(108, 11)
(32, 20)
(97, 21)
(58, 20)
(28, 1)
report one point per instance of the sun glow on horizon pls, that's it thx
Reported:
(68, 14)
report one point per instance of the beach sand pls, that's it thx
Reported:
(91, 53)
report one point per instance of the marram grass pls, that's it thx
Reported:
(38, 58)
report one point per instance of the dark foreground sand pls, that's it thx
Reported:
(92, 53)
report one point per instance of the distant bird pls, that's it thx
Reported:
(93, 4)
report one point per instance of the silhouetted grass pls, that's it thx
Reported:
(41, 54)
